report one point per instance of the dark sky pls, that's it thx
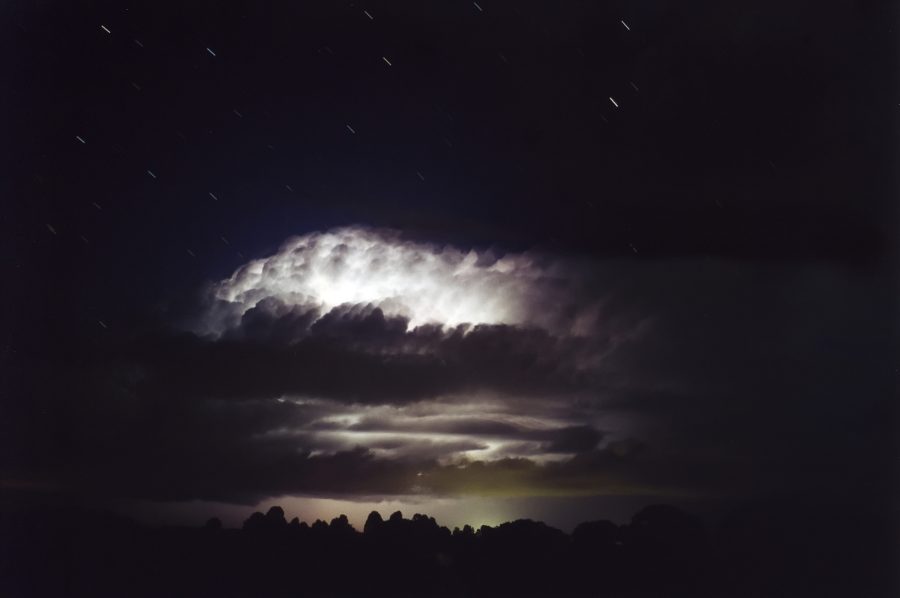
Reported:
(681, 284)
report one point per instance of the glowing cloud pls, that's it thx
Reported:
(425, 283)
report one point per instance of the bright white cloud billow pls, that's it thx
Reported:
(426, 283)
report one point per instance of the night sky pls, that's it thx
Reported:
(479, 260)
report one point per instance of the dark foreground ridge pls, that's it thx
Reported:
(663, 551)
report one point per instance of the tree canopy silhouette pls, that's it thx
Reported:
(662, 551)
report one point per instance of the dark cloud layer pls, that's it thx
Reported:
(377, 365)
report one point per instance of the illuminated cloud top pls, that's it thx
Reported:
(424, 283)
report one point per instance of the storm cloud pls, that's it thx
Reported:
(669, 378)
(424, 283)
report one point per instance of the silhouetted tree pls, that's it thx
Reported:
(256, 522)
(661, 552)
(275, 518)
(374, 522)
(294, 526)
(341, 524)
(213, 523)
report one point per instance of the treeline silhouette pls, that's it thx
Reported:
(662, 551)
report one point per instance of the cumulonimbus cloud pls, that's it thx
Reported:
(311, 275)
(296, 390)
